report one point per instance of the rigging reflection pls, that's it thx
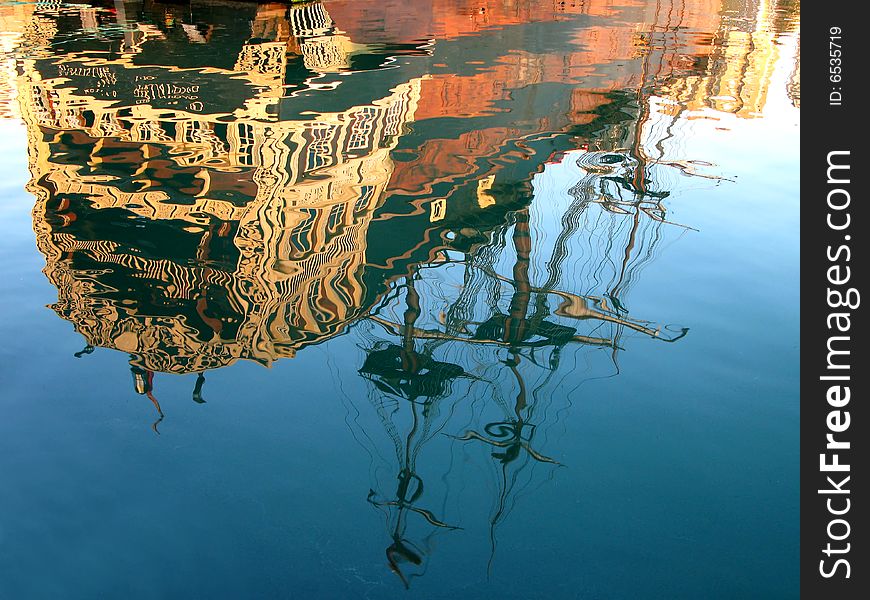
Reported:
(517, 350)
(418, 383)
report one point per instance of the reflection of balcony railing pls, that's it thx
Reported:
(301, 240)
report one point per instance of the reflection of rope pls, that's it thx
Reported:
(197, 389)
(150, 395)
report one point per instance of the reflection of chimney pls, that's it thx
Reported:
(323, 48)
(197, 389)
(309, 20)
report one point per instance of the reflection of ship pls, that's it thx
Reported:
(513, 354)
(259, 237)
(505, 333)
(509, 356)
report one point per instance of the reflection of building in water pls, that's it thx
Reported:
(182, 220)
(189, 240)
(194, 213)
(18, 28)
(299, 243)
(279, 33)
(194, 210)
(323, 46)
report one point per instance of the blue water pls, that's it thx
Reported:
(660, 464)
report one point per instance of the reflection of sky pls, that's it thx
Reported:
(21, 263)
(698, 441)
(691, 452)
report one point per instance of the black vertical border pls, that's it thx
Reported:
(825, 128)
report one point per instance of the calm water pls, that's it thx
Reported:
(481, 299)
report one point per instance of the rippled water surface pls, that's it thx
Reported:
(469, 298)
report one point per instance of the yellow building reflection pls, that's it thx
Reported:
(294, 197)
